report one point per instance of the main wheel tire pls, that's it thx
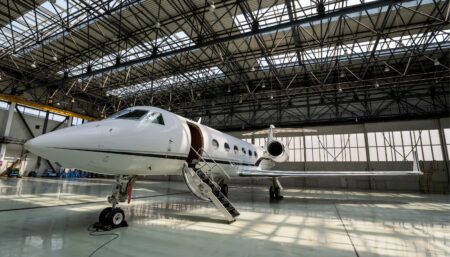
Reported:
(102, 218)
(224, 189)
(116, 217)
(276, 193)
(272, 192)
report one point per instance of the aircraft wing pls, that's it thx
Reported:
(280, 173)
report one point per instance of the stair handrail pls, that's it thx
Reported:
(209, 156)
(222, 169)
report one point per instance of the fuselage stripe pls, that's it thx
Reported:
(164, 156)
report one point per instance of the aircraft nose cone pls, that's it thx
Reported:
(34, 145)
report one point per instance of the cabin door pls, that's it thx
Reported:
(196, 143)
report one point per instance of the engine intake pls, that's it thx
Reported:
(277, 151)
(275, 148)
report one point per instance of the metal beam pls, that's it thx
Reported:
(22, 101)
(228, 38)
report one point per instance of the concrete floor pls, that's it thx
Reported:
(50, 217)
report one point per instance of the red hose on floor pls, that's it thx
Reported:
(129, 191)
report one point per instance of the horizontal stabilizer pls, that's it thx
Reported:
(281, 130)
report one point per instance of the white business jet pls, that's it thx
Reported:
(151, 141)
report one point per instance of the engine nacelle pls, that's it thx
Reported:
(277, 151)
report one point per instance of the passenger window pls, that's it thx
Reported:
(215, 144)
(236, 149)
(227, 147)
(156, 117)
(249, 153)
(256, 154)
(130, 114)
(243, 150)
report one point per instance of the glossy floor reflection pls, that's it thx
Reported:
(49, 217)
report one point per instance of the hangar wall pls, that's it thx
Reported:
(19, 131)
(439, 182)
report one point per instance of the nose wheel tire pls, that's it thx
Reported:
(102, 218)
(115, 217)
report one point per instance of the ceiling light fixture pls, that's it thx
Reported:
(377, 85)
(157, 25)
(33, 65)
(386, 69)
(436, 62)
(212, 7)
(340, 89)
(342, 74)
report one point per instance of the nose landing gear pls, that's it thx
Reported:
(114, 216)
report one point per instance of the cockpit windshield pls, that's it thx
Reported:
(128, 114)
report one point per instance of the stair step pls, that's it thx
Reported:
(217, 192)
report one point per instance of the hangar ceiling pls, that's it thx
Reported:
(237, 64)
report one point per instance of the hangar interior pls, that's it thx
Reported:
(369, 78)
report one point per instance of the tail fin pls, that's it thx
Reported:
(271, 130)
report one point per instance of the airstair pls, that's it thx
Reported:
(204, 187)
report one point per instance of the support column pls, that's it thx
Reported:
(304, 152)
(7, 129)
(44, 130)
(69, 121)
(366, 142)
(444, 152)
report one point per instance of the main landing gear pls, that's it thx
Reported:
(223, 186)
(275, 189)
(224, 189)
(114, 216)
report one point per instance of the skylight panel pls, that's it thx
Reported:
(266, 17)
(278, 14)
(46, 20)
(173, 42)
(284, 59)
(165, 44)
(394, 44)
(174, 80)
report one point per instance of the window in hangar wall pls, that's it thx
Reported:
(4, 105)
(447, 140)
(399, 145)
(389, 146)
